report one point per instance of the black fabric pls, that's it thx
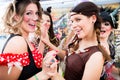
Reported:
(112, 51)
(31, 69)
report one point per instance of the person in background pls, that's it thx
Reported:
(19, 59)
(46, 30)
(47, 24)
(109, 23)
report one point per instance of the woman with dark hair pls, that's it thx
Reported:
(47, 24)
(109, 23)
(46, 30)
(85, 56)
(19, 59)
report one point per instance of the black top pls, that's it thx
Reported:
(29, 70)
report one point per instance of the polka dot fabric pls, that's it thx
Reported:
(23, 59)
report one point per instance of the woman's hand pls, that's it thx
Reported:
(49, 66)
(44, 35)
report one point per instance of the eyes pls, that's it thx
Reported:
(42, 21)
(30, 13)
(75, 20)
(106, 24)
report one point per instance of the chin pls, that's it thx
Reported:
(102, 36)
(80, 36)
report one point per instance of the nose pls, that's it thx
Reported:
(35, 17)
(73, 24)
(102, 25)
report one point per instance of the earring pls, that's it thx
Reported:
(93, 22)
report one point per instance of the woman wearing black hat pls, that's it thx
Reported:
(109, 23)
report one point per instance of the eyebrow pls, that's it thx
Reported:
(74, 14)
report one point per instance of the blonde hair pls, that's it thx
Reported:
(17, 7)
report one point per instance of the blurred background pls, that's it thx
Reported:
(60, 10)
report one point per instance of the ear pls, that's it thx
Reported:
(93, 17)
(16, 18)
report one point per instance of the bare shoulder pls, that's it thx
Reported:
(97, 54)
(97, 57)
(17, 45)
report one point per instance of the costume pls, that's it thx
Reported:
(106, 74)
(31, 61)
(75, 63)
(109, 15)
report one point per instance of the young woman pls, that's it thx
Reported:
(85, 56)
(46, 30)
(109, 23)
(19, 59)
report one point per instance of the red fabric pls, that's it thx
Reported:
(108, 69)
(6, 58)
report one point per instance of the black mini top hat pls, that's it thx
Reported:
(110, 15)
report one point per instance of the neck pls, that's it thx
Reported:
(103, 39)
(87, 43)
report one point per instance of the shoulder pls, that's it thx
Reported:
(16, 44)
(95, 65)
(96, 57)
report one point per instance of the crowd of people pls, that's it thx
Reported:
(87, 51)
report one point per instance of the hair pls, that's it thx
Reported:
(17, 7)
(105, 14)
(88, 9)
(51, 34)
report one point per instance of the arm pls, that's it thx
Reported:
(61, 53)
(16, 45)
(57, 77)
(49, 67)
(93, 67)
(45, 40)
(41, 46)
(40, 76)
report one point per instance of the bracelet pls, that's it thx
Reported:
(119, 71)
(36, 78)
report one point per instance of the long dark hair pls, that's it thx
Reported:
(51, 33)
(88, 9)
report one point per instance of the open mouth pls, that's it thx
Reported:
(102, 31)
(32, 25)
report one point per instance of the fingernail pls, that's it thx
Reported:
(58, 61)
(54, 54)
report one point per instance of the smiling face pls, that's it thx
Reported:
(106, 29)
(46, 21)
(82, 25)
(30, 18)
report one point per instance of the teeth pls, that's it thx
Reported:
(32, 24)
(102, 31)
